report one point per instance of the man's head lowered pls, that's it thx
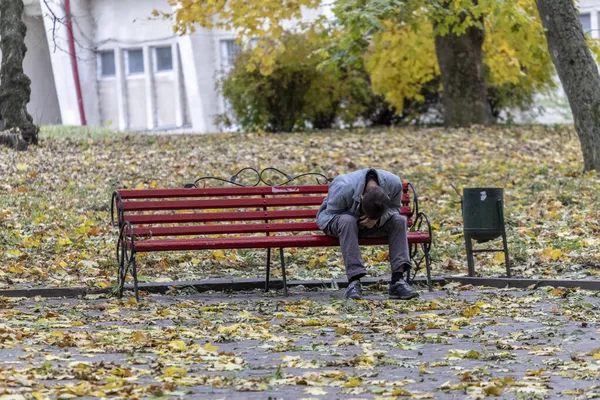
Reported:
(375, 202)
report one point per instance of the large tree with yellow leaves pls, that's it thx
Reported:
(467, 45)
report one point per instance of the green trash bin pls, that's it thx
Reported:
(483, 220)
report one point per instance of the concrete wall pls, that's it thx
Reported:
(591, 7)
(152, 100)
(56, 35)
(553, 108)
(127, 22)
(198, 65)
(136, 103)
(43, 105)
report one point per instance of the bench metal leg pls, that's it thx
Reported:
(135, 278)
(428, 267)
(122, 275)
(285, 289)
(268, 270)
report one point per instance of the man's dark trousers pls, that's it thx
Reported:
(346, 228)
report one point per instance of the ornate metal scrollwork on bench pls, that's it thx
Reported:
(261, 178)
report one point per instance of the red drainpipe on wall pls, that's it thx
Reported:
(74, 66)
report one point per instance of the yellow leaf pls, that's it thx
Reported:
(83, 389)
(353, 382)
(16, 269)
(14, 253)
(140, 186)
(140, 337)
(175, 372)
(382, 255)
(401, 392)
(340, 330)
(228, 329)
(178, 345)
(103, 284)
(210, 347)
(64, 242)
(553, 215)
(492, 390)
(28, 241)
(219, 255)
(498, 259)
(471, 311)
(551, 253)
(22, 167)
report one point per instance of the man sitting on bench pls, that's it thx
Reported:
(366, 203)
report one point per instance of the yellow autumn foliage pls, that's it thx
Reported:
(402, 58)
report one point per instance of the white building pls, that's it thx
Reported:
(554, 108)
(132, 72)
(129, 71)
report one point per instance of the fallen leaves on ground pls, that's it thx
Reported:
(212, 345)
(54, 199)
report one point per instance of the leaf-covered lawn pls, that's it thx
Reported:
(457, 343)
(54, 199)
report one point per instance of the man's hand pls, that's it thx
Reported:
(365, 222)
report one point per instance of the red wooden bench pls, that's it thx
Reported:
(257, 217)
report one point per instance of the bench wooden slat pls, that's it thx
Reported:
(222, 203)
(220, 216)
(228, 229)
(229, 216)
(230, 191)
(259, 242)
(225, 229)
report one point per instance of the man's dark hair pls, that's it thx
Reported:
(375, 202)
(372, 175)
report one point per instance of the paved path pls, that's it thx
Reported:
(450, 344)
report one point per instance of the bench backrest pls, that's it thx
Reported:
(225, 210)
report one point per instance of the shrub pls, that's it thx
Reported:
(298, 94)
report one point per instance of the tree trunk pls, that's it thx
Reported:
(14, 84)
(464, 94)
(577, 71)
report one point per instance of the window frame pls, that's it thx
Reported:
(155, 60)
(589, 15)
(225, 58)
(100, 70)
(134, 74)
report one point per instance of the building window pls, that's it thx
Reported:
(107, 63)
(163, 59)
(586, 23)
(229, 49)
(135, 62)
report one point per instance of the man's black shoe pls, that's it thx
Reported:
(354, 291)
(400, 290)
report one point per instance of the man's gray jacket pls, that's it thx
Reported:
(345, 191)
